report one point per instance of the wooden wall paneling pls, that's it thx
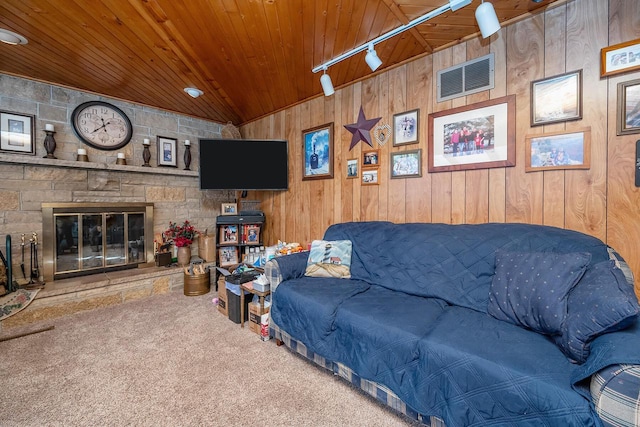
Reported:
(497, 176)
(295, 209)
(397, 104)
(329, 205)
(585, 201)
(458, 178)
(525, 56)
(553, 211)
(339, 180)
(477, 181)
(356, 102)
(623, 197)
(441, 183)
(278, 204)
(383, 169)
(369, 205)
(420, 95)
(344, 97)
(315, 191)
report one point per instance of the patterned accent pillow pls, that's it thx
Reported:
(603, 301)
(329, 259)
(530, 289)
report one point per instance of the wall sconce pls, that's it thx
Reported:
(372, 59)
(193, 92)
(487, 19)
(327, 85)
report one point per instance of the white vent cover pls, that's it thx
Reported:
(467, 78)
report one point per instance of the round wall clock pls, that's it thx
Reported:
(101, 125)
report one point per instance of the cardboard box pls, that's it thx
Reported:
(223, 301)
(256, 317)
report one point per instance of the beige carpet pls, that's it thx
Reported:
(169, 360)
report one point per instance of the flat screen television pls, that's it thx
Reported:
(244, 164)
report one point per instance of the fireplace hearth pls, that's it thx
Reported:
(87, 238)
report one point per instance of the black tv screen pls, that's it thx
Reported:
(244, 164)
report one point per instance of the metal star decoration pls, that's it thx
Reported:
(361, 129)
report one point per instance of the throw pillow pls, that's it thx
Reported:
(530, 289)
(603, 301)
(329, 259)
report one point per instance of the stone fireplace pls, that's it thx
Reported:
(87, 238)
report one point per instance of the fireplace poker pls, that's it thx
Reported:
(35, 272)
(24, 275)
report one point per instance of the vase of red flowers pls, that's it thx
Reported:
(182, 237)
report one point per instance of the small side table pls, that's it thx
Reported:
(249, 288)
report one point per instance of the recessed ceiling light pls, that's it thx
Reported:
(10, 37)
(193, 92)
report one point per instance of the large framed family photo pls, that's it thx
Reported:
(477, 136)
(558, 150)
(317, 152)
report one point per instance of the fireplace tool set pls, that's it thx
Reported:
(32, 279)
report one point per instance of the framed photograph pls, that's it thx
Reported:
(406, 164)
(251, 234)
(370, 177)
(405, 127)
(228, 235)
(620, 58)
(229, 209)
(477, 136)
(228, 256)
(317, 150)
(556, 99)
(167, 151)
(628, 107)
(558, 150)
(371, 159)
(17, 133)
(352, 168)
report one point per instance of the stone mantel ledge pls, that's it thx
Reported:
(39, 161)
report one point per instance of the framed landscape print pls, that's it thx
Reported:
(558, 150)
(317, 152)
(406, 164)
(167, 151)
(556, 99)
(477, 136)
(17, 133)
(405, 127)
(628, 120)
(620, 58)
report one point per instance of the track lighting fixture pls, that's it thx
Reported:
(487, 19)
(485, 15)
(327, 85)
(372, 59)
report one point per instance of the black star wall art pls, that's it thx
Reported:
(361, 129)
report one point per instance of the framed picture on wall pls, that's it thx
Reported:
(556, 99)
(167, 151)
(620, 58)
(628, 107)
(405, 127)
(371, 158)
(370, 177)
(477, 136)
(558, 150)
(317, 152)
(406, 164)
(352, 168)
(17, 133)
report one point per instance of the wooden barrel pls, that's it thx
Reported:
(196, 284)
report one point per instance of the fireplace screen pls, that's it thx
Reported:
(89, 242)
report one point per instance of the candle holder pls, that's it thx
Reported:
(187, 157)
(82, 158)
(146, 155)
(49, 144)
(120, 161)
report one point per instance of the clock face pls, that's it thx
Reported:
(101, 125)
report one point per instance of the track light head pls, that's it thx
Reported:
(372, 58)
(487, 19)
(327, 85)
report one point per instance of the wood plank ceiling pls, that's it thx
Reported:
(250, 57)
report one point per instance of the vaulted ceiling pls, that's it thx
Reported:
(250, 57)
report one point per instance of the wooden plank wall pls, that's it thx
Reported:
(601, 201)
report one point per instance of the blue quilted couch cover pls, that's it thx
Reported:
(413, 317)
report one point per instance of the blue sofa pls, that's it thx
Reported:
(442, 323)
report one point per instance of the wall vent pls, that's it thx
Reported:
(466, 78)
